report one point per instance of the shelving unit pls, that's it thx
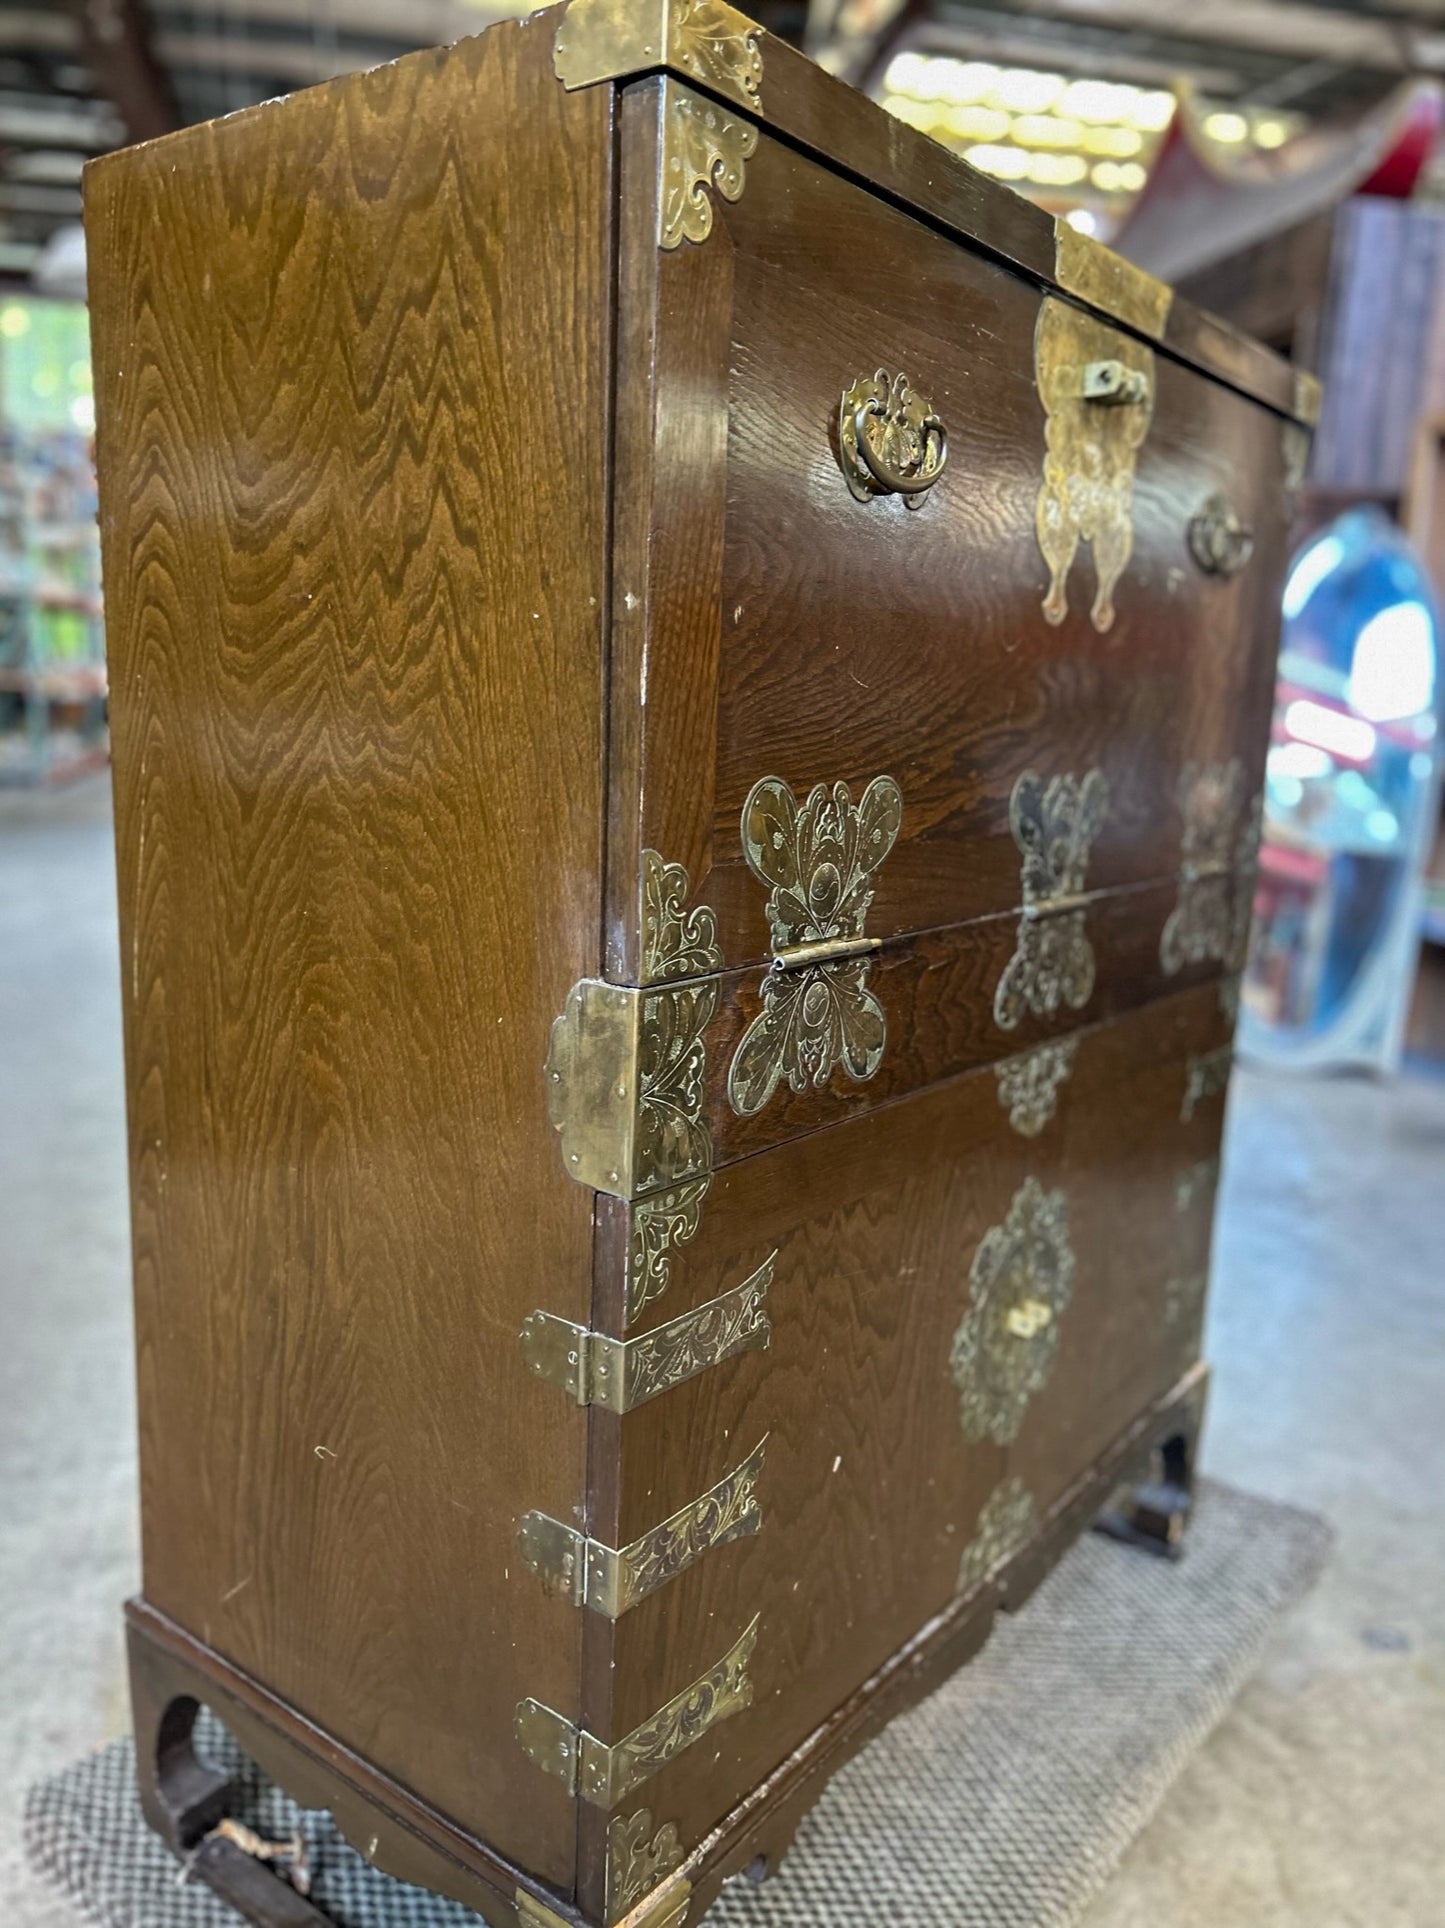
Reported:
(52, 648)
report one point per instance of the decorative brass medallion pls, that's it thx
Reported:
(1218, 541)
(637, 1859)
(611, 1580)
(818, 861)
(605, 1774)
(1205, 1077)
(890, 441)
(1028, 1086)
(1020, 1283)
(659, 1221)
(675, 941)
(1097, 388)
(621, 1374)
(711, 41)
(1053, 963)
(703, 146)
(1210, 920)
(1008, 1521)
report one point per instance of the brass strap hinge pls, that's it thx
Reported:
(620, 1374)
(610, 1579)
(604, 1773)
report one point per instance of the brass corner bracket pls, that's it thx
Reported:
(626, 1064)
(702, 40)
(1086, 268)
(625, 1074)
(604, 1773)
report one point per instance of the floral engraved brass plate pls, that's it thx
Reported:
(1053, 963)
(612, 1580)
(1210, 921)
(637, 1859)
(703, 146)
(624, 1081)
(890, 441)
(605, 1774)
(818, 861)
(707, 39)
(1008, 1521)
(625, 1069)
(1091, 443)
(597, 1370)
(659, 1221)
(1028, 1086)
(1020, 1283)
(675, 941)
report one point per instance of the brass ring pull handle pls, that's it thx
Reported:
(890, 439)
(1218, 541)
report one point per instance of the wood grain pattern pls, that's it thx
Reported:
(870, 1492)
(937, 995)
(833, 122)
(460, 545)
(353, 435)
(844, 640)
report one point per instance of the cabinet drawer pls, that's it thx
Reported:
(775, 626)
(967, 1295)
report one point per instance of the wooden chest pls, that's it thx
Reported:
(619, 554)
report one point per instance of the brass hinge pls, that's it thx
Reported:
(604, 1773)
(611, 1579)
(620, 1374)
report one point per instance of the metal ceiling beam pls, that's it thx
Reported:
(116, 45)
(1292, 30)
(1072, 57)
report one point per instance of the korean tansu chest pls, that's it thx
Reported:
(691, 680)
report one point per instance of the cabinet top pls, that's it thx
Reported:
(717, 49)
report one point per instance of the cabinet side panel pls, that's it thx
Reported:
(352, 371)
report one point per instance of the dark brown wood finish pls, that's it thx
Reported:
(353, 411)
(462, 545)
(870, 1492)
(824, 117)
(937, 994)
(840, 641)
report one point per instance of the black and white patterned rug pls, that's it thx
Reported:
(1004, 1801)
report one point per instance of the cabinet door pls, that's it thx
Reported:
(768, 623)
(973, 1297)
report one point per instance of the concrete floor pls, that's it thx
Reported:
(1319, 1803)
